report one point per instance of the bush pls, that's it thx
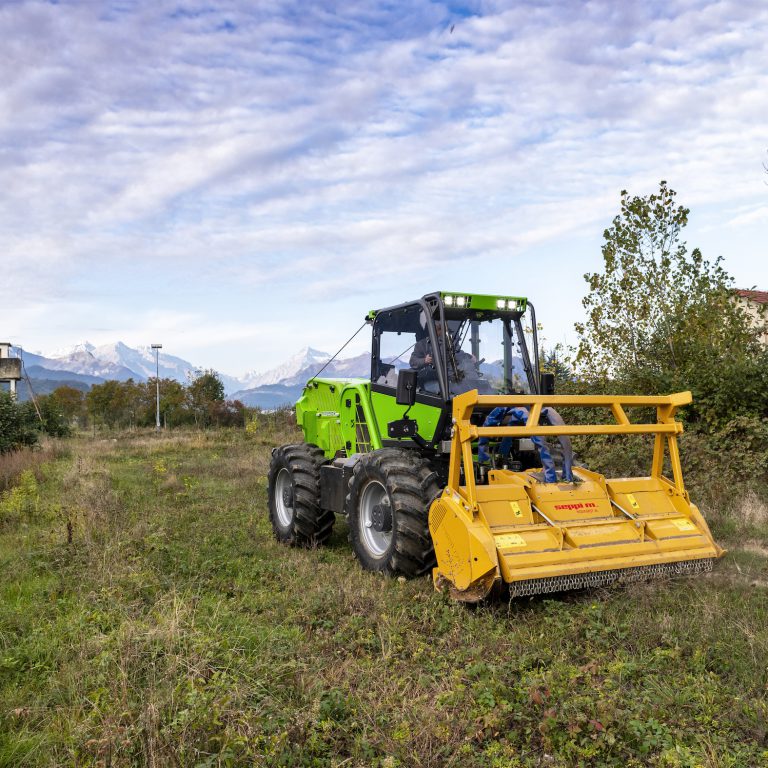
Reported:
(15, 430)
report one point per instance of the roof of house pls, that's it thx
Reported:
(759, 297)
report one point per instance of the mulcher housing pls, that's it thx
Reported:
(542, 537)
(397, 453)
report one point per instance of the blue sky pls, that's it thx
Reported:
(240, 179)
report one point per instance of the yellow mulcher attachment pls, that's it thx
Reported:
(541, 537)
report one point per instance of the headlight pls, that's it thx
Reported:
(501, 304)
(448, 301)
(460, 301)
(512, 304)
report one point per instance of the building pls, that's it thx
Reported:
(756, 305)
(10, 369)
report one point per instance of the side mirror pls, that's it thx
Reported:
(547, 384)
(406, 387)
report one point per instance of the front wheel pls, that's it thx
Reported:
(294, 496)
(387, 506)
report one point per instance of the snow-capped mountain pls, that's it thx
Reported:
(142, 361)
(287, 372)
(81, 359)
(86, 364)
(276, 392)
(83, 346)
(109, 361)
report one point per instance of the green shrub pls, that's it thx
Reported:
(15, 430)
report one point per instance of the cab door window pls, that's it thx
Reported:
(395, 333)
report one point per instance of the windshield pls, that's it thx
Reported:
(476, 357)
(475, 351)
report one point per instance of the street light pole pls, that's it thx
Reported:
(157, 348)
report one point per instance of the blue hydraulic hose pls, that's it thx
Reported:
(520, 416)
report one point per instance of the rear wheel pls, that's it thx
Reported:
(387, 506)
(294, 496)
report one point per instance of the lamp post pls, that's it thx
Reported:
(157, 348)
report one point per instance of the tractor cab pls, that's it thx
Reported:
(442, 346)
(456, 343)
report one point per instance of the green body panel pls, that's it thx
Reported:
(318, 412)
(358, 425)
(385, 409)
(343, 414)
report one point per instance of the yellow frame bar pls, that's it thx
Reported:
(665, 429)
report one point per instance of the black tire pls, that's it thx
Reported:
(391, 489)
(294, 496)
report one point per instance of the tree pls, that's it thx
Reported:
(659, 317)
(655, 304)
(173, 402)
(110, 402)
(70, 402)
(204, 392)
(229, 413)
(555, 361)
(51, 419)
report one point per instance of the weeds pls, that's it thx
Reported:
(13, 463)
(21, 502)
(167, 628)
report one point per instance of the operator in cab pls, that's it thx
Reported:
(422, 350)
(463, 371)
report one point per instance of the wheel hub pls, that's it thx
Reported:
(381, 518)
(283, 499)
(375, 519)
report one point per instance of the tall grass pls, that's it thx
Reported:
(147, 617)
(12, 464)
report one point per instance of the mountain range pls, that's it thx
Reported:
(85, 365)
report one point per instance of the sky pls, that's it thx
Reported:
(237, 180)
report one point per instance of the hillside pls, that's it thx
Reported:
(147, 617)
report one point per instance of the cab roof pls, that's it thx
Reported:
(474, 301)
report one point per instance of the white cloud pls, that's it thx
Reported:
(230, 155)
(757, 215)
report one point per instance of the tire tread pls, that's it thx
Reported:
(312, 526)
(412, 485)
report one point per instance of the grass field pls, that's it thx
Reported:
(148, 618)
